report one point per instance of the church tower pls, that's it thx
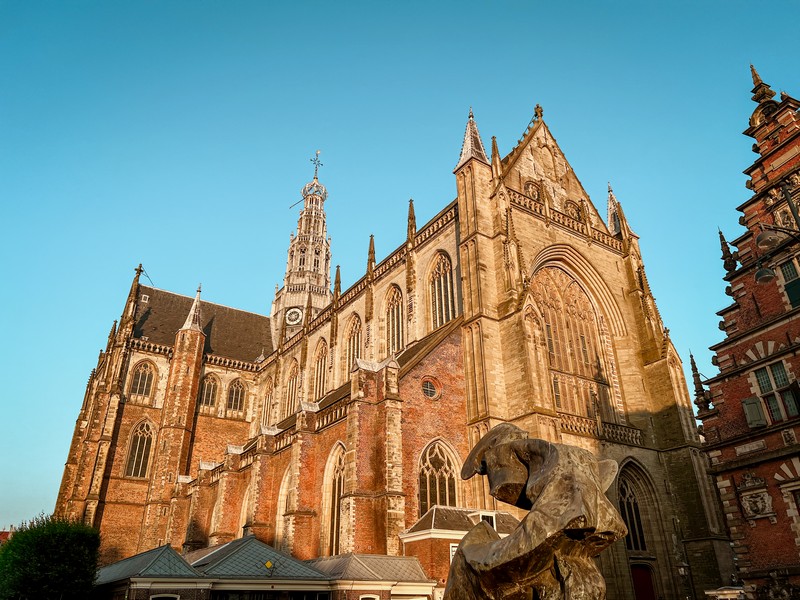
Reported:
(307, 284)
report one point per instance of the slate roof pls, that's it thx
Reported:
(370, 567)
(158, 562)
(450, 518)
(230, 332)
(247, 558)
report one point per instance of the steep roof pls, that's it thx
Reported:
(248, 557)
(230, 332)
(370, 567)
(158, 562)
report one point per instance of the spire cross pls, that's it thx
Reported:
(317, 164)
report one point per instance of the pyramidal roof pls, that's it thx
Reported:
(472, 146)
(248, 557)
(158, 562)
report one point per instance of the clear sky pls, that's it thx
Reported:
(177, 134)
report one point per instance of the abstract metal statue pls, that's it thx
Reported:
(549, 556)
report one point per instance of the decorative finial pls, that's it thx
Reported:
(412, 221)
(139, 270)
(538, 112)
(199, 287)
(728, 257)
(471, 116)
(317, 164)
(755, 75)
(610, 191)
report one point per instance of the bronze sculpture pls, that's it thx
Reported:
(549, 556)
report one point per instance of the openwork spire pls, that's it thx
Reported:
(193, 318)
(472, 146)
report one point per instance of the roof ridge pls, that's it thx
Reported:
(156, 556)
(363, 564)
(149, 287)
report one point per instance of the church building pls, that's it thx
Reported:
(339, 423)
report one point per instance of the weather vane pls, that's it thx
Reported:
(317, 164)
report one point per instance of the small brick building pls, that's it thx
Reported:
(751, 412)
(337, 422)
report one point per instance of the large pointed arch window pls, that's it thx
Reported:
(437, 478)
(333, 489)
(139, 452)
(442, 300)
(141, 382)
(290, 403)
(573, 343)
(236, 396)
(632, 515)
(394, 321)
(353, 345)
(320, 370)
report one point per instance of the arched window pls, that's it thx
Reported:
(285, 500)
(266, 411)
(394, 321)
(353, 345)
(290, 405)
(139, 452)
(208, 394)
(236, 399)
(629, 508)
(141, 381)
(333, 488)
(320, 370)
(442, 301)
(574, 348)
(437, 478)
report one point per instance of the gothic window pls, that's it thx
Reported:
(302, 258)
(236, 399)
(320, 370)
(780, 397)
(139, 453)
(394, 321)
(285, 500)
(572, 337)
(442, 300)
(208, 394)
(437, 478)
(353, 346)
(629, 508)
(316, 260)
(142, 381)
(267, 410)
(333, 489)
(290, 405)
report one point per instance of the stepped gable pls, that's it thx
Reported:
(158, 562)
(230, 332)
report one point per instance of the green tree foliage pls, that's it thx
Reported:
(49, 559)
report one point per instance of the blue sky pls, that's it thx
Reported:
(177, 134)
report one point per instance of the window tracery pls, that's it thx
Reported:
(572, 340)
(141, 382)
(236, 395)
(208, 394)
(320, 370)
(290, 405)
(394, 321)
(442, 299)
(353, 346)
(139, 452)
(437, 478)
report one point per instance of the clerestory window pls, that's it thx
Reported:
(442, 300)
(141, 382)
(139, 452)
(235, 399)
